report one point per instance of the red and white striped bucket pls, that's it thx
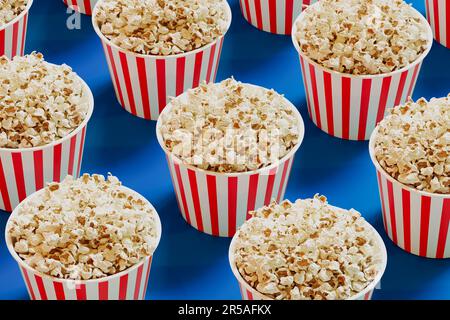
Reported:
(275, 16)
(24, 171)
(130, 284)
(144, 83)
(438, 15)
(416, 221)
(249, 293)
(350, 106)
(218, 203)
(81, 6)
(14, 33)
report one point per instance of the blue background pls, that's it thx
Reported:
(187, 263)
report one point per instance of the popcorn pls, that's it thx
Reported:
(362, 37)
(307, 250)
(412, 144)
(83, 229)
(39, 102)
(10, 9)
(230, 127)
(162, 27)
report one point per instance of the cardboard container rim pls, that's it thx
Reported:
(357, 296)
(24, 265)
(150, 56)
(276, 164)
(393, 180)
(19, 16)
(366, 76)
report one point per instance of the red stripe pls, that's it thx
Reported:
(273, 15)
(312, 74)
(365, 99)
(427, 2)
(183, 195)
(181, 65)
(197, 68)
(447, 23)
(173, 182)
(27, 281)
(41, 288)
(59, 291)
(305, 84)
(258, 14)
(57, 162)
(4, 189)
(123, 282)
(87, 7)
(424, 224)
(138, 282)
(380, 186)
(147, 276)
(2, 42)
(24, 34)
(436, 20)
(80, 155)
(406, 219)
(116, 77)
(247, 10)
(195, 199)
(413, 80)
(401, 87)
(249, 295)
(218, 59)
(392, 211)
(80, 291)
(443, 229)
(126, 76)
(15, 34)
(143, 85)
(269, 189)
(306, 2)
(232, 205)
(212, 197)
(103, 290)
(329, 101)
(252, 189)
(161, 81)
(18, 173)
(73, 143)
(289, 16)
(383, 98)
(346, 93)
(283, 178)
(367, 296)
(211, 62)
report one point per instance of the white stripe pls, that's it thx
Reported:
(373, 106)
(252, 12)
(415, 222)
(10, 178)
(222, 204)
(242, 200)
(135, 85)
(131, 284)
(286, 180)
(336, 84)
(65, 156)
(49, 289)
(442, 21)
(92, 291)
(33, 284)
(204, 202)
(281, 15)
(189, 195)
(9, 40)
(321, 98)
(171, 78)
(48, 164)
(152, 87)
(113, 288)
(175, 187)
(261, 190)
(121, 77)
(28, 171)
(398, 205)
(204, 65)
(355, 107)
(434, 226)
(309, 91)
(265, 15)
(386, 206)
(189, 71)
(111, 72)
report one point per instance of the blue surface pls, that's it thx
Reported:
(189, 264)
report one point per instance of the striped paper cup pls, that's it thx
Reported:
(349, 106)
(143, 83)
(81, 6)
(249, 293)
(416, 221)
(275, 16)
(26, 170)
(438, 15)
(218, 203)
(14, 33)
(130, 284)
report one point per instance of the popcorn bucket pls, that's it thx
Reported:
(416, 221)
(218, 203)
(438, 15)
(130, 284)
(275, 16)
(13, 34)
(249, 293)
(350, 106)
(143, 83)
(26, 170)
(81, 6)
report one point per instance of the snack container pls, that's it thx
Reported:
(218, 203)
(144, 83)
(438, 15)
(14, 33)
(26, 170)
(416, 221)
(249, 293)
(81, 6)
(350, 106)
(274, 16)
(130, 284)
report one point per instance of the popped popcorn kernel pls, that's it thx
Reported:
(362, 37)
(307, 250)
(84, 228)
(10, 9)
(412, 144)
